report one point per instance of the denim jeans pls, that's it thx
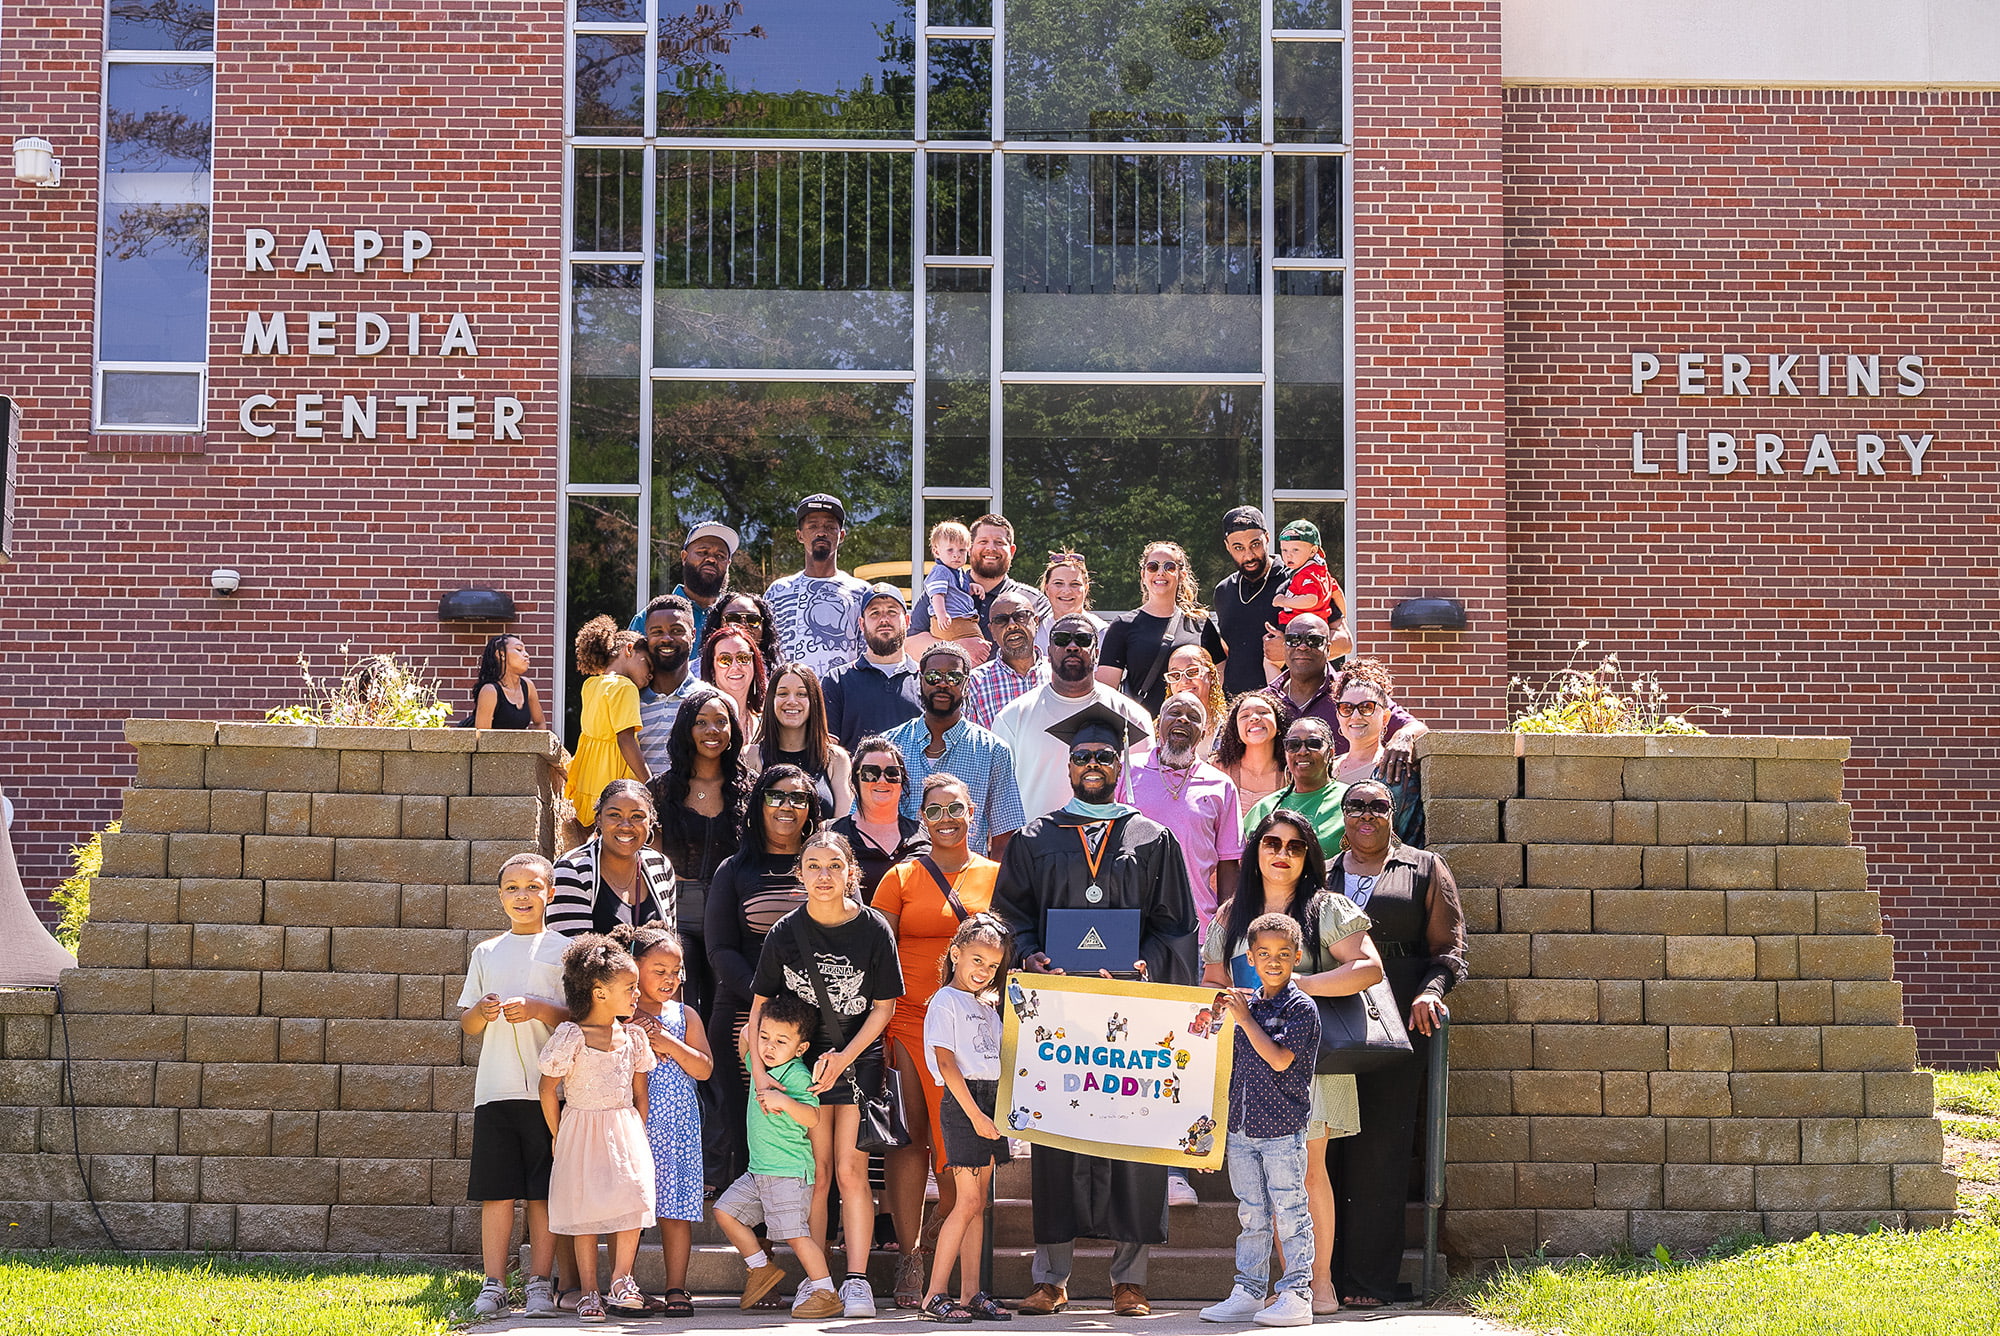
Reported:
(1268, 1176)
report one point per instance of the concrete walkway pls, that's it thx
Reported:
(1086, 1316)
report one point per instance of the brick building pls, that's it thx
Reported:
(372, 303)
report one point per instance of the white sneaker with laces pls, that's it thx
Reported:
(1180, 1192)
(1240, 1306)
(1292, 1308)
(492, 1300)
(541, 1293)
(857, 1300)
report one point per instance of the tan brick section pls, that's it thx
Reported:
(1684, 940)
(263, 1037)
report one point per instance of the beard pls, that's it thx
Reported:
(821, 548)
(697, 581)
(989, 565)
(1096, 788)
(669, 660)
(1254, 569)
(1176, 756)
(1071, 669)
(884, 643)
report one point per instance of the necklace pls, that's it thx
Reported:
(1186, 773)
(1270, 569)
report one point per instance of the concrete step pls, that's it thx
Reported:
(1212, 1224)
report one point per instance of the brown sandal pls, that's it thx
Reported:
(912, 1271)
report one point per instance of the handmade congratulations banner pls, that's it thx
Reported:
(1116, 1068)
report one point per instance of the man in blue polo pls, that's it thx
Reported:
(878, 690)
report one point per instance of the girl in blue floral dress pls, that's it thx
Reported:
(673, 1119)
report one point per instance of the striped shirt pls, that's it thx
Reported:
(656, 720)
(975, 756)
(583, 903)
(993, 686)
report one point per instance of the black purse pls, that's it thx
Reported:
(882, 1123)
(1361, 1032)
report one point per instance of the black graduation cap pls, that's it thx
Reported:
(1096, 723)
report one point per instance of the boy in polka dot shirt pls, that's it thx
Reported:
(1270, 1098)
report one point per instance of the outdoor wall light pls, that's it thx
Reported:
(35, 161)
(476, 605)
(224, 581)
(1428, 614)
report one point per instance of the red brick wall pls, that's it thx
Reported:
(1430, 448)
(1778, 222)
(440, 115)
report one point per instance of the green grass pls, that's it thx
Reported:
(1968, 1092)
(1979, 1169)
(1971, 1129)
(97, 1294)
(1891, 1283)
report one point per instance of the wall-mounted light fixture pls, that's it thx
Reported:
(224, 581)
(476, 605)
(1428, 614)
(35, 161)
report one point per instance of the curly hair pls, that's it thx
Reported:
(1212, 700)
(599, 642)
(788, 1008)
(644, 939)
(1229, 748)
(819, 743)
(590, 960)
(767, 628)
(1187, 595)
(754, 700)
(1367, 673)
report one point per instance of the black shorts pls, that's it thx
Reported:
(963, 1147)
(867, 1070)
(511, 1152)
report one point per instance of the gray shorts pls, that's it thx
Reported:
(782, 1205)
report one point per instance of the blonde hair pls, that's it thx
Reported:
(1187, 594)
(944, 529)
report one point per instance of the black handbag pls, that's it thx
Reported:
(882, 1123)
(1361, 1032)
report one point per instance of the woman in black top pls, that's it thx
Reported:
(701, 798)
(503, 696)
(752, 889)
(880, 835)
(1411, 899)
(794, 732)
(1138, 645)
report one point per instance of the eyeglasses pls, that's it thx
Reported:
(780, 798)
(1310, 639)
(1186, 674)
(1011, 618)
(743, 618)
(1065, 639)
(1367, 807)
(1364, 708)
(955, 810)
(1094, 756)
(937, 677)
(1305, 744)
(1163, 565)
(1276, 844)
(875, 774)
(735, 660)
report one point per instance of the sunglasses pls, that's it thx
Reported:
(875, 774)
(934, 677)
(735, 660)
(1011, 618)
(1366, 807)
(1310, 639)
(1276, 844)
(1094, 756)
(1079, 639)
(1364, 708)
(1058, 558)
(1305, 744)
(955, 810)
(780, 798)
(1157, 566)
(1186, 674)
(743, 618)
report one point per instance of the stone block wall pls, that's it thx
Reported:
(262, 1029)
(1682, 1020)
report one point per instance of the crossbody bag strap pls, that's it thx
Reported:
(929, 864)
(1175, 626)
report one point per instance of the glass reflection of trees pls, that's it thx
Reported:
(1158, 70)
(158, 125)
(160, 25)
(790, 68)
(604, 373)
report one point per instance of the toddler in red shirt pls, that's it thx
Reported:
(1312, 587)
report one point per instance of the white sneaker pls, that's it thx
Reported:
(541, 1298)
(492, 1300)
(1240, 1306)
(1292, 1308)
(856, 1299)
(1180, 1192)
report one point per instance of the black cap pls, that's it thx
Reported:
(1244, 517)
(1097, 723)
(820, 502)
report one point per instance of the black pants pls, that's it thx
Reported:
(725, 1145)
(1371, 1177)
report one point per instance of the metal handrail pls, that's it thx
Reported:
(1438, 1103)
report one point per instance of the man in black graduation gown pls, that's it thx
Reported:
(1094, 853)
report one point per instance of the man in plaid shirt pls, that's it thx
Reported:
(1017, 669)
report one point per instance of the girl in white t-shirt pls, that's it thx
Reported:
(962, 1049)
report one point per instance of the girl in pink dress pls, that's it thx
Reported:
(602, 1182)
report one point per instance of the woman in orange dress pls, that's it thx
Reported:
(925, 898)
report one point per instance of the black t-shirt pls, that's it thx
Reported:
(1138, 640)
(856, 960)
(1242, 625)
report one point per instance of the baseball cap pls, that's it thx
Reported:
(876, 591)
(820, 502)
(1300, 531)
(1244, 517)
(713, 530)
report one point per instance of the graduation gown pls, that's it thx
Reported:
(1044, 868)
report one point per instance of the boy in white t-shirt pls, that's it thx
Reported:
(509, 998)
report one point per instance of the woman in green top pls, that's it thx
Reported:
(1283, 873)
(1311, 789)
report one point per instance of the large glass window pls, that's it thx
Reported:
(154, 230)
(1084, 263)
